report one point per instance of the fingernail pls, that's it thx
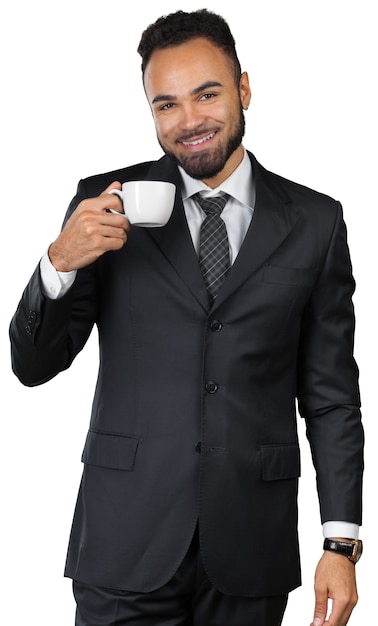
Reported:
(317, 621)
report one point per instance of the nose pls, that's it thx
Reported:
(191, 116)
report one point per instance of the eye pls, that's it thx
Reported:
(207, 96)
(167, 106)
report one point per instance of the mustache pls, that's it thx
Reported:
(196, 132)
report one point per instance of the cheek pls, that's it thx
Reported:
(164, 127)
(222, 112)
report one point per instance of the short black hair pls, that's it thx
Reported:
(179, 27)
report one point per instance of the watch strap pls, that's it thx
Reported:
(351, 549)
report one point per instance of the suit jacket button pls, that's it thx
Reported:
(211, 387)
(215, 326)
(197, 447)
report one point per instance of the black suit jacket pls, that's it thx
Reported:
(194, 414)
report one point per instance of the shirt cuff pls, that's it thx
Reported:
(340, 529)
(54, 284)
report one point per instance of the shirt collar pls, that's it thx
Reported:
(239, 185)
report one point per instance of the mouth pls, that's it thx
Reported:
(195, 143)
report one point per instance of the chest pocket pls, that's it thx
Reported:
(276, 275)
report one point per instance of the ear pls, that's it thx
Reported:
(245, 90)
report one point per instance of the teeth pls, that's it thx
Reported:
(198, 141)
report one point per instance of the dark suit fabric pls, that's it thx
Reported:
(281, 329)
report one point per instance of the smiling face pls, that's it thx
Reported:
(198, 108)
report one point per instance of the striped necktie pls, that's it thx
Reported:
(214, 255)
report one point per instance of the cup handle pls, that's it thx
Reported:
(117, 192)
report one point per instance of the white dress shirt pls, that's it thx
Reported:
(237, 215)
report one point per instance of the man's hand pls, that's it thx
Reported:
(90, 232)
(335, 580)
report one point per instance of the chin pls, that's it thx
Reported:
(199, 166)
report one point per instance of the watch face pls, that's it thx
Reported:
(357, 551)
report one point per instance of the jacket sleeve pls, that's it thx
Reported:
(328, 392)
(45, 334)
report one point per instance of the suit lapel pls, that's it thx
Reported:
(273, 219)
(174, 239)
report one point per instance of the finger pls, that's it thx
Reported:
(321, 607)
(99, 203)
(114, 185)
(114, 241)
(115, 226)
(116, 206)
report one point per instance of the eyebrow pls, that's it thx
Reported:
(169, 98)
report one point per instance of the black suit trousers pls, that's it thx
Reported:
(188, 599)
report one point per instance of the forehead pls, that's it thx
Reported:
(180, 68)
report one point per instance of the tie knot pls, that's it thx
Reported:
(212, 205)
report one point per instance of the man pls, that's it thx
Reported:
(187, 510)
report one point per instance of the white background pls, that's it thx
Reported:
(72, 105)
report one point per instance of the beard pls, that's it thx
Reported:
(206, 165)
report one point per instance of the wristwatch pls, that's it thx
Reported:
(351, 549)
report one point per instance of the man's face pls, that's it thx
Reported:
(197, 108)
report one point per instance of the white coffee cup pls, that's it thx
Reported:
(146, 202)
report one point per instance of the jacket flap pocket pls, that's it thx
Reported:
(109, 450)
(280, 461)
